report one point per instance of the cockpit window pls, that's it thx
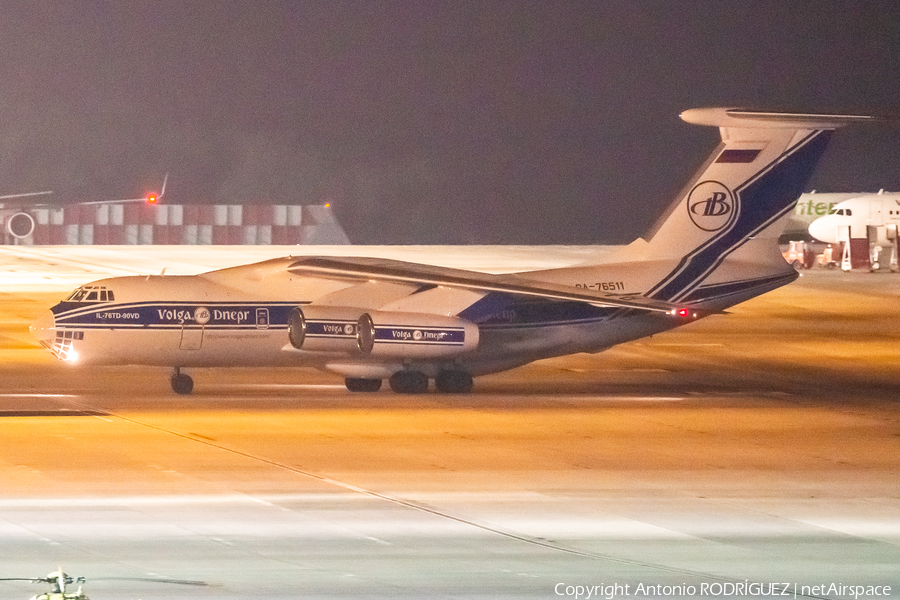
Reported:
(91, 293)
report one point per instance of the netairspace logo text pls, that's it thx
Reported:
(739, 589)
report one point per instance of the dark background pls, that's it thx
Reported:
(486, 122)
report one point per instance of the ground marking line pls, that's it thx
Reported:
(421, 508)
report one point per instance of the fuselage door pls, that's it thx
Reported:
(875, 212)
(191, 337)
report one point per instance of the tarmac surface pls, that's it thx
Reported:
(759, 448)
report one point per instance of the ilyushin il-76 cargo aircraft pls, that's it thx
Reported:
(371, 319)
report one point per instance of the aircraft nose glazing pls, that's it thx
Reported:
(44, 328)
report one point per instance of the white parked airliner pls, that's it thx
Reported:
(371, 319)
(18, 221)
(874, 218)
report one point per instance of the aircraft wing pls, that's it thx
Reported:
(151, 198)
(26, 194)
(19, 203)
(366, 269)
(25, 201)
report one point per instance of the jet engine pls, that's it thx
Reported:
(414, 335)
(20, 225)
(324, 328)
(349, 330)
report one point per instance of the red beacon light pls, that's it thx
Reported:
(151, 199)
(684, 313)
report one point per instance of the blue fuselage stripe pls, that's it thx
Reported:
(170, 315)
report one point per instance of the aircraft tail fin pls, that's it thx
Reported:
(736, 200)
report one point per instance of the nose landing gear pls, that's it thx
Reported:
(181, 382)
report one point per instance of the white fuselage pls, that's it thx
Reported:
(239, 317)
(873, 216)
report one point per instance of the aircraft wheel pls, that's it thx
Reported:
(409, 382)
(182, 384)
(454, 382)
(356, 384)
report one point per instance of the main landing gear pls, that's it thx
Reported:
(357, 384)
(181, 382)
(401, 382)
(409, 382)
(453, 382)
(415, 382)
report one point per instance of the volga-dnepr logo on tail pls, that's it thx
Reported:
(711, 206)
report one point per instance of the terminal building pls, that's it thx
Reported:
(162, 224)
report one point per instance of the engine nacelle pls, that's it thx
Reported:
(20, 225)
(324, 328)
(414, 335)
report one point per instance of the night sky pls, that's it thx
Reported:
(429, 122)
